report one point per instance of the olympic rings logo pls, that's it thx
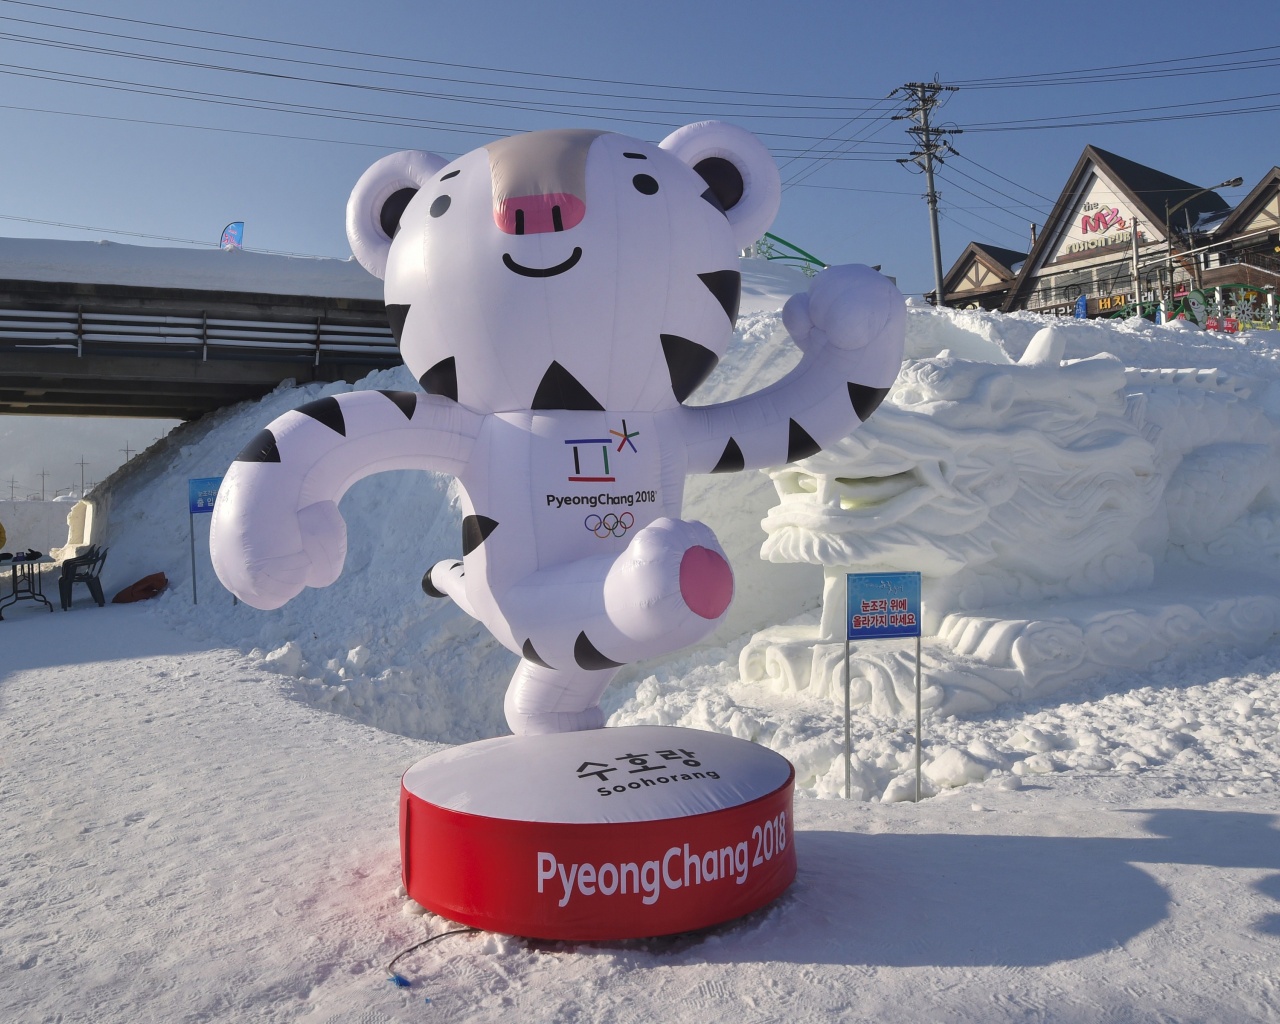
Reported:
(609, 525)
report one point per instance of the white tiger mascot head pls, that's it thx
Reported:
(566, 269)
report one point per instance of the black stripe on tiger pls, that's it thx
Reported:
(396, 316)
(688, 364)
(726, 286)
(475, 531)
(799, 444)
(866, 400)
(587, 657)
(442, 379)
(405, 401)
(529, 653)
(559, 389)
(731, 460)
(326, 411)
(262, 448)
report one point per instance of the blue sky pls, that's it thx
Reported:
(811, 79)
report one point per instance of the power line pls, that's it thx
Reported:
(816, 163)
(850, 188)
(781, 111)
(949, 213)
(1125, 72)
(1164, 108)
(1029, 206)
(310, 110)
(956, 184)
(969, 159)
(772, 94)
(161, 238)
(1110, 121)
(204, 128)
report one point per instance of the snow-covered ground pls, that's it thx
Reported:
(198, 801)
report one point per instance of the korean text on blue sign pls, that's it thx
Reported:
(201, 493)
(882, 605)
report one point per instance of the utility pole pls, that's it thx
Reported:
(1137, 287)
(931, 145)
(128, 452)
(82, 464)
(43, 473)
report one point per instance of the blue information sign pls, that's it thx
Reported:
(882, 605)
(201, 493)
(1082, 308)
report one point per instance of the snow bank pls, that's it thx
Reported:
(374, 648)
(34, 524)
(47, 259)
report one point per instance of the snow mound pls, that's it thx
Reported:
(373, 647)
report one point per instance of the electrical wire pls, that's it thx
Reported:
(771, 93)
(1124, 72)
(1111, 114)
(403, 982)
(161, 238)
(1132, 120)
(1031, 191)
(816, 163)
(950, 214)
(955, 184)
(851, 188)
(519, 101)
(385, 147)
(313, 110)
(1035, 207)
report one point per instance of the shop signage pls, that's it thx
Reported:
(1102, 221)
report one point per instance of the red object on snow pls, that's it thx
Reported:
(147, 587)
(605, 834)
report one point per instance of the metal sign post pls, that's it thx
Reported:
(881, 606)
(201, 494)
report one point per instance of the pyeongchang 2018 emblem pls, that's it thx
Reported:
(586, 461)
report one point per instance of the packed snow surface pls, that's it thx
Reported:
(199, 799)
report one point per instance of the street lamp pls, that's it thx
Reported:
(1169, 211)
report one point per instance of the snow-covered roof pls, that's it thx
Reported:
(232, 270)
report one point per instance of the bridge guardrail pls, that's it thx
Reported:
(200, 336)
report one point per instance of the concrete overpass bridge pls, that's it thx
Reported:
(101, 329)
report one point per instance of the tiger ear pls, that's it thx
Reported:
(378, 200)
(739, 172)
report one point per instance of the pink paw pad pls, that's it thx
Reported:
(706, 582)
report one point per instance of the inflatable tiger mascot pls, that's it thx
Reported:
(559, 295)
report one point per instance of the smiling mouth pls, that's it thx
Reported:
(559, 268)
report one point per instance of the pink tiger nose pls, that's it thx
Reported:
(535, 215)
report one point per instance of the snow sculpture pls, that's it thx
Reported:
(1015, 489)
(559, 295)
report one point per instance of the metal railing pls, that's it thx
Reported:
(202, 336)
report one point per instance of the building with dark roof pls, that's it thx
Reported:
(981, 277)
(1124, 237)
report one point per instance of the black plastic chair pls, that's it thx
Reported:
(82, 569)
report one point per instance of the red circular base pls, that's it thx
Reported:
(608, 834)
